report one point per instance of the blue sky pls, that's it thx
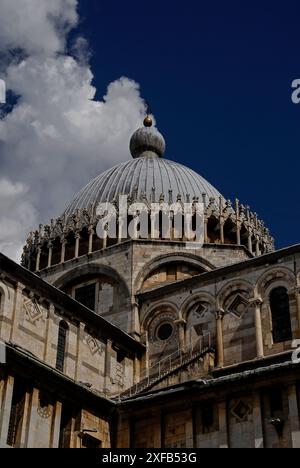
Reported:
(218, 76)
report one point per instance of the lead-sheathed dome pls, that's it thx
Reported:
(139, 177)
(147, 175)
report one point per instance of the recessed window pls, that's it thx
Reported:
(61, 345)
(86, 295)
(165, 331)
(281, 318)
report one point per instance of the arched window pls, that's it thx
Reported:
(281, 318)
(61, 345)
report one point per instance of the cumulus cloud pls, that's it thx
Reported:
(57, 137)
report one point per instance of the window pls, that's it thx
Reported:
(16, 414)
(61, 346)
(276, 402)
(281, 319)
(165, 331)
(208, 418)
(86, 295)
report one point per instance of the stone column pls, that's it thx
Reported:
(257, 303)
(157, 431)
(136, 370)
(50, 252)
(80, 337)
(32, 423)
(297, 297)
(24, 432)
(77, 243)
(38, 259)
(18, 304)
(294, 416)
(91, 239)
(250, 240)
(105, 236)
(222, 231)
(135, 330)
(220, 342)
(223, 431)
(205, 231)
(181, 323)
(257, 247)
(55, 431)
(63, 250)
(49, 335)
(6, 410)
(107, 372)
(257, 421)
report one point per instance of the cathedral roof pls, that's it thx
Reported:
(148, 176)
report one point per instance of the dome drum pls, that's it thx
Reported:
(74, 235)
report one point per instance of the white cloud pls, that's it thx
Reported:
(57, 137)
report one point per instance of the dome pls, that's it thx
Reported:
(148, 176)
(147, 141)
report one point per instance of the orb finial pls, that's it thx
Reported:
(148, 122)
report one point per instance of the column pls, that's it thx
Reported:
(80, 337)
(294, 416)
(250, 240)
(49, 335)
(108, 354)
(32, 425)
(6, 409)
(24, 432)
(258, 328)
(136, 370)
(38, 259)
(55, 430)
(63, 250)
(257, 421)
(257, 247)
(222, 231)
(50, 252)
(205, 231)
(105, 236)
(135, 330)
(220, 342)
(77, 242)
(297, 296)
(91, 239)
(181, 323)
(18, 304)
(223, 431)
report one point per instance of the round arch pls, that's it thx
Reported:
(164, 260)
(194, 300)
(154, 311)
(86, 271)
(232, 286)
(275, 277)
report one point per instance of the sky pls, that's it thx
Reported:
(217, 76)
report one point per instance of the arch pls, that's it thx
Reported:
(4, 296)
(61, 345)
(234, 286)
(194, 300)
(155, 310)
(87, 271)
(280, 276)
(162, 260)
